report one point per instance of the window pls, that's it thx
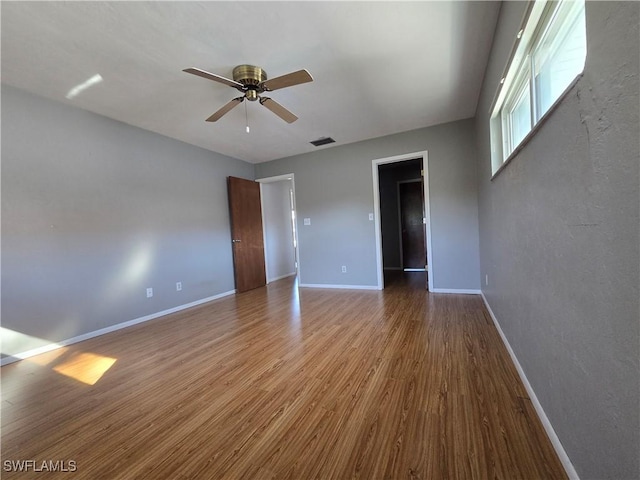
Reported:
(516, 114)
(550, 52)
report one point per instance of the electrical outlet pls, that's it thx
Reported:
(149, 292)
(178, 286)
(344, 269)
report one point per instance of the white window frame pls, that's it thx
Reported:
(520, 88)
(543, 18)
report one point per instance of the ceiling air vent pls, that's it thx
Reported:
(322, 141)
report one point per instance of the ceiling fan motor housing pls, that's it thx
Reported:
(251, 77)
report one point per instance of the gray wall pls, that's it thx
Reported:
(278, 232)
(95, 211)
(559, 241)
(334, 189)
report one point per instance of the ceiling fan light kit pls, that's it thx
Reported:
(252, 81)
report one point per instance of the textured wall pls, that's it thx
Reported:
(95, 211)
(334, 188)
(559, 242)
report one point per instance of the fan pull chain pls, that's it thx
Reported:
(246, 116)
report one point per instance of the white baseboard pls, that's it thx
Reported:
(461, 291)
(555, 441)
(344, 287)
(109, 329)
(281, 277)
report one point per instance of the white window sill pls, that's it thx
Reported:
(536, 127)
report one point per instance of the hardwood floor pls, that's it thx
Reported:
(273, 383)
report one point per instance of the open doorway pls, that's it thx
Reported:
(279, 226)
(410, 202)
(402, 216)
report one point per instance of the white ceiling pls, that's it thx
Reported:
(379, 67)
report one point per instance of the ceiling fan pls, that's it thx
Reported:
(252, 81)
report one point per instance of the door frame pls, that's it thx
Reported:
(296, 244)
(398, 183)
(376, 209)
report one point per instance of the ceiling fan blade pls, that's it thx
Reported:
(219, 114)
(278, 109)
(214, 77)
(288, 80)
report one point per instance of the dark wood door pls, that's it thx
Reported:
(411, 214)
(246, 233)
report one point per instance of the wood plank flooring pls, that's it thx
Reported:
(284, 384)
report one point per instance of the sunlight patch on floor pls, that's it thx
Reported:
(85, 367)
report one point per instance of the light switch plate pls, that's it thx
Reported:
(371, 216)
(307, 221)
